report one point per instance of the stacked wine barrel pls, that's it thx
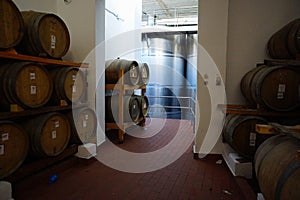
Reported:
(32, 86)
(277, 167)
(134, 74)
(12, 25)
(285, 43)
(33, 33)
(240, 133)
(274, 88)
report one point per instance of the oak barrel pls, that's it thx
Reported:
(285, 43)
(26, 84)
(276, 87)
(246, 83)
(239, 132)
(49, 134)
(131, 112)
(14, 145)
(144, 105)
(69, 84)
(84, 125)
(131, 71)
(277, 168)
(46, 35)
(11, 25)
(144, 73)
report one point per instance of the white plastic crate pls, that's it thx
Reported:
(86, 151)
(5, 191)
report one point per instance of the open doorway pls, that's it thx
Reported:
(169, 46)
(162, 34)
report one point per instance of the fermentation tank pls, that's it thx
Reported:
(171, 57)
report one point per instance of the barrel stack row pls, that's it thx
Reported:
(134, 74)
(45, 135)
(268, 88)
(33, 33)
(32, 85)
(272, 89)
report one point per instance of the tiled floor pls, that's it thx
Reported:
(186, 178)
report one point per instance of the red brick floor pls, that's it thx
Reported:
(186, 178)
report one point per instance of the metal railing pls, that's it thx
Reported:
(191, 104)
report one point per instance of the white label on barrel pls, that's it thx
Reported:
(74, 88)
(74, 77)
(84, 123)
(32, 89)
(1, 149)
(145, 105)
(134, 106)
(53, 134)
(5, 137)
(56, 124)
(280, 95)
(252, 139)
(281, 88)
(32, 75)
(53, 41)
(86, 117)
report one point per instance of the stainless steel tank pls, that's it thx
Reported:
(172, 58)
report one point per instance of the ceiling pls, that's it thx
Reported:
(170, 9)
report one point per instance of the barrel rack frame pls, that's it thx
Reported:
(121, 87)
(16, 112)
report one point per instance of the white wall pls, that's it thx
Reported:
(130, 14)
(100, 69)
(121, 35)
(36, 5)
(212, 36)
(80, 18)
(251, 24)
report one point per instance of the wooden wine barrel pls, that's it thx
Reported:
(69, 84)
(26, 84)
(246, 83)
(131, 112)
(14, 145)
(277, 168)
(45, 35)
(239, 132)
(49, 134)
(285, 43)
(11, 23)
(144, 73)
(276, 88)
(84, 125)
(131, 71)
(144, 105)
